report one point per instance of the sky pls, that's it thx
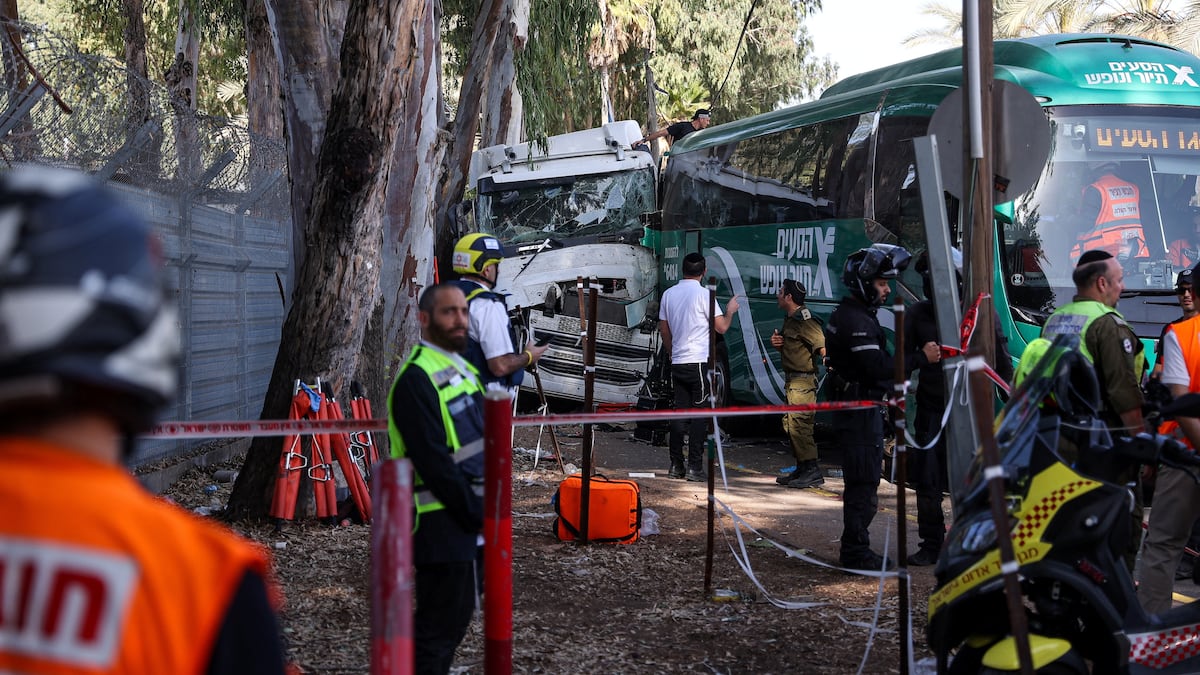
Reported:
(861, 35)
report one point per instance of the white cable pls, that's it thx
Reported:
(955, 383)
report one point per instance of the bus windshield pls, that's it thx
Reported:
(1119, 178)
(566, 207)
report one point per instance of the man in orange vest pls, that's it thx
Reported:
(97, 575)
(1176, 495)
(1112, 207)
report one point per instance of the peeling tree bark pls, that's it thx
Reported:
(180, 79)
(337, 290)
(307, 39)
(412, 195)
(264, 102)
(503, 106)
(466, 123)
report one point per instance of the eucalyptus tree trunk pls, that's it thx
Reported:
(307, 40)
(411, 198)
(466, 123)
(359, 164)
(146, 164)
(503, 105)
(263, 106)
(180, 79)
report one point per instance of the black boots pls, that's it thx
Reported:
(806, 475)
(676, 469)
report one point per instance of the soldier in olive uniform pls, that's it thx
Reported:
(802, 347)
(1111, 346)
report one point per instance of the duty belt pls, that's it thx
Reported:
(800, 373)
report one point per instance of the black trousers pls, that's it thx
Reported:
(860, 435)
(445, 603)
(690, 382)
(928, 472)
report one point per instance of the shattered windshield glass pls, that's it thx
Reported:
(565, 208)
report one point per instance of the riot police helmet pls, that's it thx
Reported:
(864, 266)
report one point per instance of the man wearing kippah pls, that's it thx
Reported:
(1113, 350)
(801, 348)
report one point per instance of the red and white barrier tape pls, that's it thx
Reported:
(255, 428)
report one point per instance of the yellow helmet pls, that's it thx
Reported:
(474, 252)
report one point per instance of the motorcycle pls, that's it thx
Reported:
(1069, 526)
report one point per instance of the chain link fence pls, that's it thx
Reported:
(66, 108)
(216, 194)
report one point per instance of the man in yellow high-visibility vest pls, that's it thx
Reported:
(435, 419)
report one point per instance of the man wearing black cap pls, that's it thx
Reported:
(1113, 350)
(680, 129)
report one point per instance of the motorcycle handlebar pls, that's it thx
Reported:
(1155, 448)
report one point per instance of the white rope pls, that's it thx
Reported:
(957, 384)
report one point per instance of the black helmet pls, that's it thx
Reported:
(879, 261)
(81, 305)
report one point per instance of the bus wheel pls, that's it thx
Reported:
(721, 376)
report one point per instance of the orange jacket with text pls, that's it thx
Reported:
(107, 578)
(1118, 227)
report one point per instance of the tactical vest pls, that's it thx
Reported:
(456, 389)
(474, 352)
(1074, 318)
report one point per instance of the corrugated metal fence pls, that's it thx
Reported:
(215, 192)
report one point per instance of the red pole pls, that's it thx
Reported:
(391, 570)
(497, 533)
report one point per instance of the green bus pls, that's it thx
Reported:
(791, 193)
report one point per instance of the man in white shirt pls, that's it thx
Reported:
(492, 343)
(683, 321)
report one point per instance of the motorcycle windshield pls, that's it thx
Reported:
(1018, 423)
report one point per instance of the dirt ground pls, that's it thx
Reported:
(639, 608)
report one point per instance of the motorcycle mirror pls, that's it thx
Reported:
(1187, 405)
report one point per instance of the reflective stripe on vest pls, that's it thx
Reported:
(1074, 318)
(451, 382)
(1188, 334)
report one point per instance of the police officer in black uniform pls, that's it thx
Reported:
(858, 355)
(927, 468)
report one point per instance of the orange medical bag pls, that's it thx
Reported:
(614, 513)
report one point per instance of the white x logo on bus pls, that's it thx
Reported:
(1183, 75)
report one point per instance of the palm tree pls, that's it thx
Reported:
(1151, 19)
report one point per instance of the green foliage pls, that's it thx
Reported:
(99, 27)
(560, 89)
(691, 46)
